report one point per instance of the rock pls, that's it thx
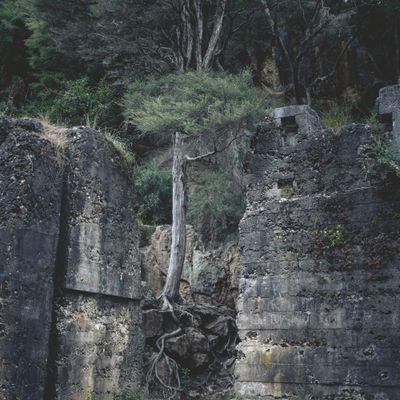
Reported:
(152, 323)
(219, 327)
(178, 346)
(209, 276)
(28, 124)
(184, 346)
(199, 360)
(206, 273)
(198, 341)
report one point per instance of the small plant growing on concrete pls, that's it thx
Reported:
(332, 237)
(381, 159)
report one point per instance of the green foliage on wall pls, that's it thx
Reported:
(381, 159)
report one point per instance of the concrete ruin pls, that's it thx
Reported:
(318, 308)
(388, 105)
(70, 324)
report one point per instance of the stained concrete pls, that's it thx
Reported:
(318, 307)
(70, 324)
(30, 199)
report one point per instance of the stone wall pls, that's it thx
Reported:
(70, 280)
(318, 308)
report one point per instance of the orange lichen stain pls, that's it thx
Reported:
(267, 356)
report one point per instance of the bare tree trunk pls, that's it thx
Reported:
(215, 36)
(199, 34)
(178, 245)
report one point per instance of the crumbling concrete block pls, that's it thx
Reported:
(389, 110)
(296, 120)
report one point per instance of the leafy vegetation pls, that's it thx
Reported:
(153, 185)
(216, 205)
(193, 102)
(381, 159)
(333, 237)
(335, 116)
(121, 147)
(77, 102)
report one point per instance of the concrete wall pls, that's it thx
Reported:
(70, 267)
(319, 311)
(30, 199)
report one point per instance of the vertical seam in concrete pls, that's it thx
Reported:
(59, 271)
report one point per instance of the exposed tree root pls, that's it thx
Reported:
(217, 375)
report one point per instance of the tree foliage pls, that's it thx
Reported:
(45, 43)
(193, 102)
(153, 185)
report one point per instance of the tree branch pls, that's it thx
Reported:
(215, 151)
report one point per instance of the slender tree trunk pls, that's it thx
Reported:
(178, 245)
(215, 36)
(199, 34)
(397, 49)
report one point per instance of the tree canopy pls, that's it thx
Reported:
(193, 102)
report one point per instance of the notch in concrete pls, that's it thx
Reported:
(287, 188)
(289, 124)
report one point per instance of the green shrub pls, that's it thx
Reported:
(153, 186)
(216, 205)
(76, 102)
(193, 102)
(381, 159)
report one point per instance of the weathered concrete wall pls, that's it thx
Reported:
(97, 321)
(319, 315)
(70, 272)
(30, 198)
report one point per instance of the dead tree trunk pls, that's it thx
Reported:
(178, 245)
(179, 196)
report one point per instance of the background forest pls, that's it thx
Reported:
(87, 62)
(73, 60)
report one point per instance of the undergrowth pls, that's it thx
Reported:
(381, 159)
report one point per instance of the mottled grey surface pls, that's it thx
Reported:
(103, 255)
(319, 315)
(70, 321)
(30, 198)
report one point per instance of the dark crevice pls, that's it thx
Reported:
(60, 268)
(387, 121)
(289, 124)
